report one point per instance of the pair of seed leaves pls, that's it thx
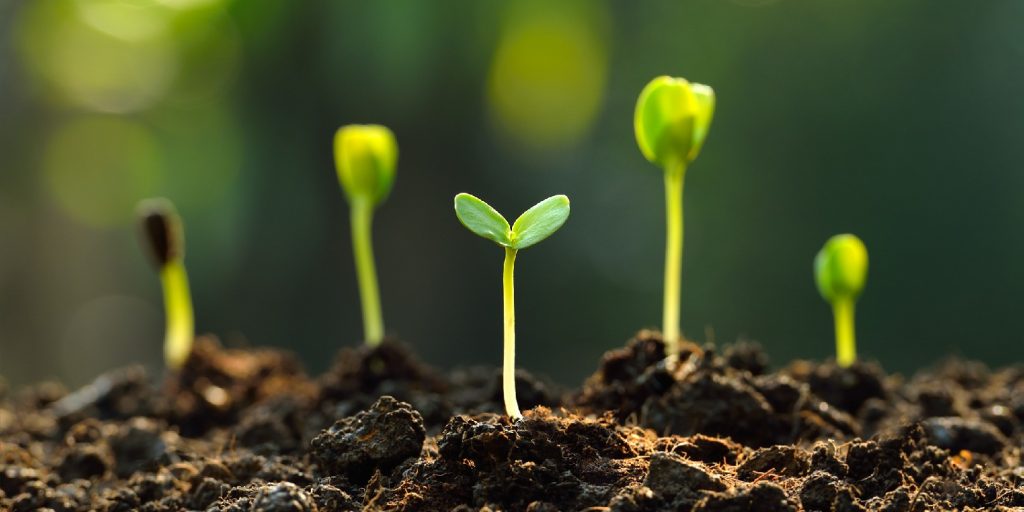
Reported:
(534, 225)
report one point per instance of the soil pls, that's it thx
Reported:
(249, 430)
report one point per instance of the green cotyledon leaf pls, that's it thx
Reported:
(483, 220)
(540, 221)
(705, 97)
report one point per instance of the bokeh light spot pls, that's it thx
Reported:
(91, 68)
(185, 5)
(97, 168)
(130, 20)
(548, 76)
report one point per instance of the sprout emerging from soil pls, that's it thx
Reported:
(164, 239)
(366, 157)
(840, 269)
(671, 122)
(534, 225)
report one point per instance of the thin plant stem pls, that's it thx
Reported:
(366, 271)
(508, 370)
(674, 177)
(178, 306)
(846, 344)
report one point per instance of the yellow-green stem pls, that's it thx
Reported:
(846, 344)
(674, 175)
(366, 271)
(508, 370)
(180, 322)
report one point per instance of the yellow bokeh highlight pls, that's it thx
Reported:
(190, 4)
(130, 20)
(96, 168)
(548, 76)
(95, 56)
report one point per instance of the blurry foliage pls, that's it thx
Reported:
(899, 121)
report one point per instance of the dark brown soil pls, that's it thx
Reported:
(248, 430)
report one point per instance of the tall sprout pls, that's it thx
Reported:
(366, 157)
(671, 122)
(534, 225)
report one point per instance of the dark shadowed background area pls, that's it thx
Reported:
(902, 122)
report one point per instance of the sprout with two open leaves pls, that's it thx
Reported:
(534, 225)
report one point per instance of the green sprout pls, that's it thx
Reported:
(534, 225)
(164, 239)
(840, 268)
(366, 157)
(671, 122)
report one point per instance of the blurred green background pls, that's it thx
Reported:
(902, 122)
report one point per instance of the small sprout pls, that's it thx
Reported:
(671, 122)
(164, 240)
(840, 268)
(534, 225)
(366, 157)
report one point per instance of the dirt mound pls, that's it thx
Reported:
(241, 430)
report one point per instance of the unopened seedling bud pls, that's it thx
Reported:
(840, 269)
(534, 225)
(672, 119)
(671, 122)
(164, 240)
(366, 157)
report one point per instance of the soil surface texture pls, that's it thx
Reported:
(714, 430)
